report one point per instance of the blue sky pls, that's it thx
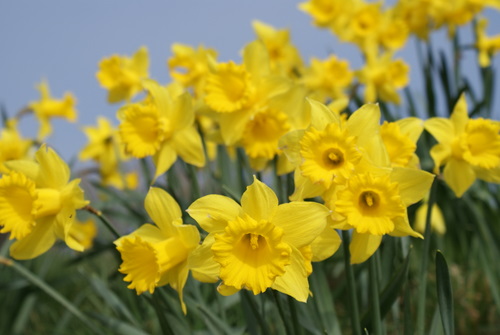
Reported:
(63, 41)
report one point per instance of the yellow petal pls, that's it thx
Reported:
(301, 222)
(491, 176)
(259, 201)
(189, 146)
(440, 153)
(232, 125)
(326, 244)
(177, 277)
(290, 144)
(163, 209)
(54, 172)
(321, 115)
(256, 59)
(41, 239)
(226, 290)
(364, 123)
(160, 96)
(459, 175)
(294, 281)
(413, 184)
(212, 212)
(305, 189)
(164, 159)
(363, 246)
(147, 232)
(293, 103)
(459, 116)
(402, 228)
(140, 62)
(437, 219)
(29, 168)
(183, 112)
(411, 127)
(442, 129)
(202, 264)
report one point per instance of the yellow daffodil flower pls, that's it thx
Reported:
(257, 245)
(47, 108)
(105, 148)
(468, 148)
(374, 204)
(382, 77)
(437, 219)
(486, 46)
(84, 232)
(190, 66)
(162, 126)
(38, 204)
(122, 75)
(328, 79)
(329, 151)
(400, 139)
(157, 255)
(236, 92)
(12, 147)
(284, 57)
(327, 13)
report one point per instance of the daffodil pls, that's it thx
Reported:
(329, 151)
(47, 108)
(374, 204)
(437, 219)
(468, 148)
(327, 13)
(12, 146)
(161, 126)
(383, 76)
(84, 232)
(105, 148)
(236, 92)
(157, 255)
(400, 140)
(486, 46)
(284, 57)
(122, 75)
(328, 79)
(283, 113)
(257, 245)
(190, 66)
(38, 204)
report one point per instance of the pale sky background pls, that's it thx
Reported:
(63, 41)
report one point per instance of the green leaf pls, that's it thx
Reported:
(445, 294)
(118, 327)
(390, 293)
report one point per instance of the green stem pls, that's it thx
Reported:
(195, 186)
(351, 286)
(295, 316)
(51, 292)
(425, 263)
(281, 310)
(255, 310)
(376, 322)
(103, 219)
(147, 174)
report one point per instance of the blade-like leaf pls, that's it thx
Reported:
(445, 294)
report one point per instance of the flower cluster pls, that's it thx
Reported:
(352, 169)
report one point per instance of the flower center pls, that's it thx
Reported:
(251, 254)
(229, 89)
(333, 158)
(369, 200)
